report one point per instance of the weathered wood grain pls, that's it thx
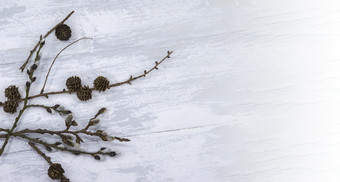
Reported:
(251, 92)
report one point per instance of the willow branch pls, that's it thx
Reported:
(47, 159)
(28, 86)
(49, 70)
(73, 151)
(50, 108)
(63, 132)
(22, 68)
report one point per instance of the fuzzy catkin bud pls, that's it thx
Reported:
(34, 66)
(97, 157)
(112, 154)
(28, 84)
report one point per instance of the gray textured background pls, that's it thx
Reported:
(251, 93)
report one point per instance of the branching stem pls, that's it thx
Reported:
(47, 159)
(22, 68)
(128, 81)
(73, 151)
(15, 124)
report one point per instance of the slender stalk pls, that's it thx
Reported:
(128, 81)
(59, 133)
(22, 68)
(43, 155)
(47, 159)
(49, 70)
(50, 108)
(15, 124)
(73, 151)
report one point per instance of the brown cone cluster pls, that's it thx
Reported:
(55, 171)
(10, 106)
(12, 93)
(101, 83)
(63, 32)
(85, 93)
(73, 83)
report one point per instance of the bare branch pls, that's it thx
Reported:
(22, 68)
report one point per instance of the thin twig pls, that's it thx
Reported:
(22, 68)
(50, 108)
(47, 159)
(73, 151)
(62, 132)
(128, 81)
(49, 70)
(15, 124)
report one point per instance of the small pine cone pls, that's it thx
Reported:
(101, 83)
(63, 32)
(73, 83)
(12, 93)
(85, 93)
(55, 171)
(10, 106)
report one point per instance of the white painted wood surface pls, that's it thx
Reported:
(251, 93)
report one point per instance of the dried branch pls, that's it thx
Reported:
(49, 70)
(28, 86)
(69, 136)
(55, 108)
(128, 81)
(47, 159)
(56, 146)
(22, 68)
(61, 133)
(55, 170)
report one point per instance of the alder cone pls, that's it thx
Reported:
(73, 83)
(10, 106)
(55, 171)
(101, 83)
(12, 93)
(63, 32)
(85, 93)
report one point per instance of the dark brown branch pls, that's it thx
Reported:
(49, 70)
(22, 68)
(50, 108)
(128, 81)
(73, 151)
(47, 159)
(98, 133)
(15, 124)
